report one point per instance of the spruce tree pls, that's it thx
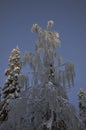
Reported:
(11, 87)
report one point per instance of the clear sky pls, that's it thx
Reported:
(17, 17)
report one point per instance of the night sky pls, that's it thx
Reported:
(17, 18)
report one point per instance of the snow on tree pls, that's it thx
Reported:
(82, 105)
(42, 62)
(45, 106)
(11, 87)
(42, 108)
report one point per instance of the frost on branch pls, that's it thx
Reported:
(43, 63)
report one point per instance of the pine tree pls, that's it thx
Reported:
(11, 87)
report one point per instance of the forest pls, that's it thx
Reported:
(37, 99)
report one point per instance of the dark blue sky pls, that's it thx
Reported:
(17, 17)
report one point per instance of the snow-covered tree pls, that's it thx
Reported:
(42, 62)
(44, 106)
(11, 87)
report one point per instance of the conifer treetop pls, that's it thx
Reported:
(14, 59)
